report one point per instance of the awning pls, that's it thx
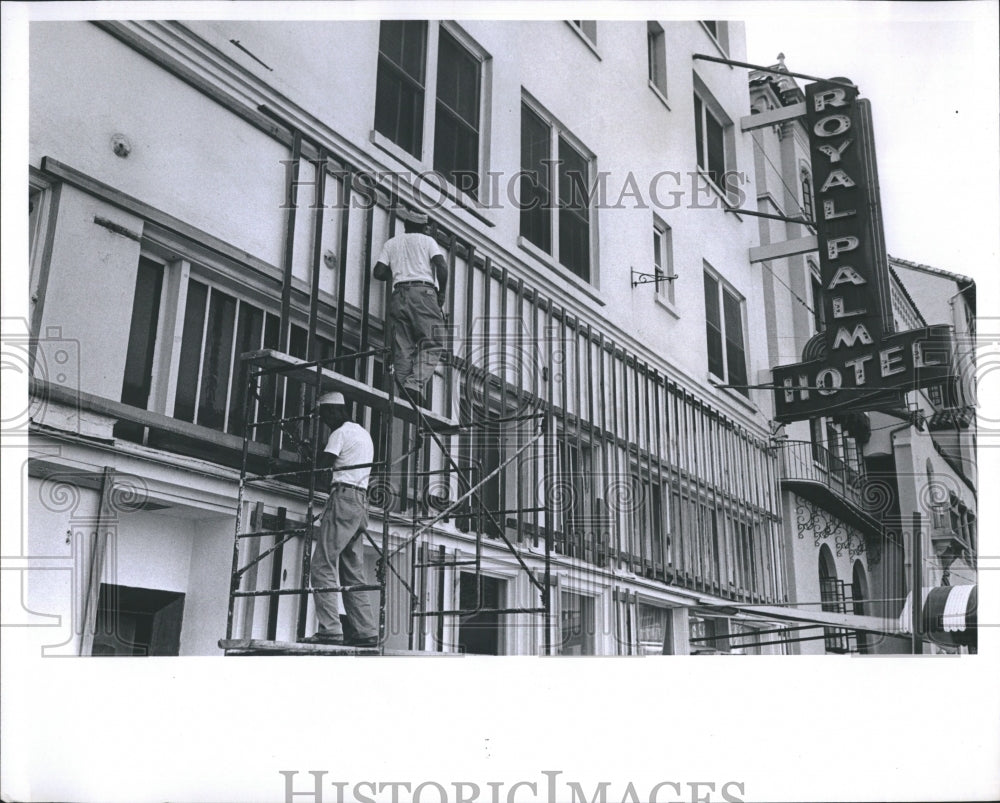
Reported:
(948, 614)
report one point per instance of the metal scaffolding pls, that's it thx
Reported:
(539, 406)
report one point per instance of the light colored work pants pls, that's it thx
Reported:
(338, 560)
(418, 331)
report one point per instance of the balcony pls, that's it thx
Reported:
(817, 474)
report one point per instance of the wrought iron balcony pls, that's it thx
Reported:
(814, 472)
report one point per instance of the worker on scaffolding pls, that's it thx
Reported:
(419, 273)
(338, 559)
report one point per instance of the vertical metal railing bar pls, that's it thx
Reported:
(615, 467)
(564, 434)
(523, 360)
(386, 425)
(718, 521)
(626, 525)
(589, 498)
(665, 498)
(466, 401)
(319, 206)
(734, 483)
(367, 247)
(287, 257)
(345, 221)
(597, 468)
(549, 449)
(691, 509)
(500, 430)
(449, 366)
(607, 445)
(653, 534)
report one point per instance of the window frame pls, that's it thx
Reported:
(558, 134)
(656, 59)
(719, 36)
(426, 161)
(725, 288)
(705, 105)
(587, 31)
(664, 236)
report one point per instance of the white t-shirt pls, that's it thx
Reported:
(351, 444)
(409, 257)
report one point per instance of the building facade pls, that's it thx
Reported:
(228, 193)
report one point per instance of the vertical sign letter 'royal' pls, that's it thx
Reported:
(853, 263)
(866, 365)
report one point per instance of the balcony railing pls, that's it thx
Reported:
(810, 462)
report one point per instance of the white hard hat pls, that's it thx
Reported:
(331, 398)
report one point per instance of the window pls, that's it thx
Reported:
(656, 53)
(710, 130)
(647, 517)
(744, 639)
(399, 94)
(719, 31)
(480, 633)
(653, 628)
(807, 195)
(587, 29)
(193, 367)
(138, 379)
(575, 496)
(456, 125)
(552, 165)
(707, 635)
(137, 621)
(405, 102)
(576, 618)
(663, 260)
(724, 330)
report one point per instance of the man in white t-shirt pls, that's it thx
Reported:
(338, 559)
(419, 274)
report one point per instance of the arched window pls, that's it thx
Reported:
(831, 594)
(807, 195)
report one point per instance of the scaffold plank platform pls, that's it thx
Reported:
(245, 646)
(353, 390)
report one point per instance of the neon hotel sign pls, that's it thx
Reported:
(866, 365)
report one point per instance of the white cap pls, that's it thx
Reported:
(411, 215)
(331, 398)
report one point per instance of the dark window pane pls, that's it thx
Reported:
(574, 210)
(401, 43)
(713, 327)
(735, 352)
(715, 142)
(713, 26)
(218, 360)
(536, 226)
(456, 152)
(190, 359)
(399, 95)
(479, 633)
(248, 337)
(141, 344)
(699, 136)
(458, 80)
